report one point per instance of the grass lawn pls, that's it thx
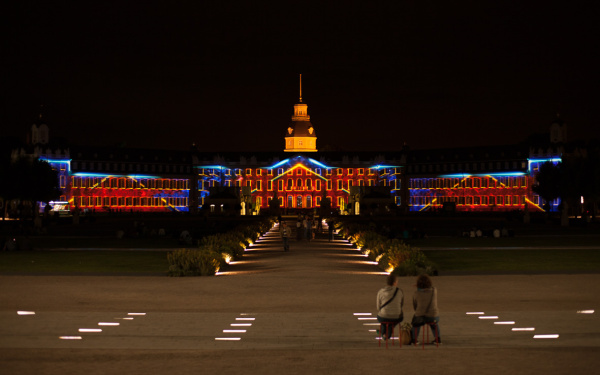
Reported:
(515, 261)
(82, 262)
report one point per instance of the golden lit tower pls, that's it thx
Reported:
(300, 135)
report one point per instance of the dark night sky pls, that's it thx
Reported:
(428, 73)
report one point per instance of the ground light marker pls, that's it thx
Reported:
(228, 338)
(507, 322)
(142, 314)
(234, 331)
(371, 324)
(552, 336)
(26, 312)
(523, 329)
(70, 337)
(108, 324)
(475, 313)
(357, 314)
(90, 330)
(373, 318)
(488, 317)
(585, 312)
(245, 318)
(241, 324)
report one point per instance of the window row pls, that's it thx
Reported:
(475, 200)
(460, 167)
(469, 182)
(130, 201)
(129, 167)
(128, 183)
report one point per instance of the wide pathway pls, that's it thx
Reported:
(310, 310)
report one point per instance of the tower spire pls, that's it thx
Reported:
(300, 87)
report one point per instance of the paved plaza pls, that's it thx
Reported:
(300, 312)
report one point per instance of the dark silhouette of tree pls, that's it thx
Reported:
(29, 181)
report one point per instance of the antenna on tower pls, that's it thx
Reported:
(300, 87)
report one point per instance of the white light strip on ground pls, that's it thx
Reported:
(245, 318)
(136, 314)
(362, 314)
(125, 318)
(372, 330)
(26, 312)
(228, 338)
(524, 329)
(234, 331)
(553, 336)
(508, 322)
(371, 324)
(373, 318)
(585, 312)
(90, 330)
(241, 324)
(70, 337)
(108, 324)
(475, 313)
(488, 317)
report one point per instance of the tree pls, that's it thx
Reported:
(29, 181)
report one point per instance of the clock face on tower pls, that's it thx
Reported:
(290, 130)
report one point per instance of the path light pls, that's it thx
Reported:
(26, 312)
(553, 336)
(70, 337)
(508, 322)
(585, 312)
(136, 313)
(488, 317)
(90, 330)
(524, 329)
(356, 314)
(475, 313)
(228, 338)
(108, 324)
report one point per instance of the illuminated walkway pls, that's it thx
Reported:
(294, 311)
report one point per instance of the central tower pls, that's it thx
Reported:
(300, 136)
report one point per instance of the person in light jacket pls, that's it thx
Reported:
(390, 300)
(425, 305)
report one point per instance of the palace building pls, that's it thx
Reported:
(476, 179)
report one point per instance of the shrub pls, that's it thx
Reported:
(404, 260)
(201, 262)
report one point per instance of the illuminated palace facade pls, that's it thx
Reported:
(301, 177)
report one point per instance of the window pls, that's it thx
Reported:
(299, 183)
(279, 171)
(329, 185)
(309, 184)
(361, 171)
(280, 186)
(259, 172)
(340, 184)
(350, 171)
(340, 171)
(269, 185)
(248, 172)
(318, 185)
(259, 185)
(298, 171)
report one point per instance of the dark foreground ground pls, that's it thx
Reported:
(301, 306)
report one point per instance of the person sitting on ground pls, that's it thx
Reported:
(390, 300)
(425, 305)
